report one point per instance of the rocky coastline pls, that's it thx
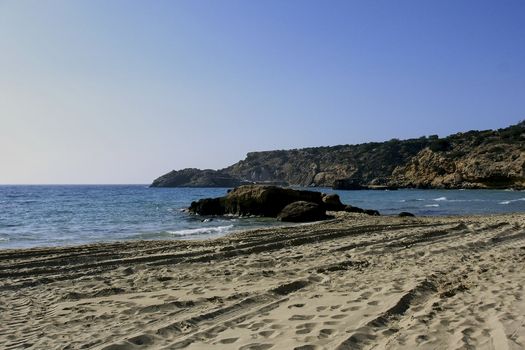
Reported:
(490, 159)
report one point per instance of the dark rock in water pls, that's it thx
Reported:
(405, 214)
(270, 201)
(208, 206)
(352, 209)
(302, 211)
(254, 200)
(332, 202)
(347, 184)
(265, 200)
(196, 178)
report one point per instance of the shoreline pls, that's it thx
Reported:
(351, 282)
(239, 230)
(37, 217)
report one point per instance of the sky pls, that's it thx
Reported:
(122, 91)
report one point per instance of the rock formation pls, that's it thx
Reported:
(474, 159)
(191, 177)
(302, 211)
(271, 201)
(255, 200)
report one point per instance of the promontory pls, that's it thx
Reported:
(493, 159)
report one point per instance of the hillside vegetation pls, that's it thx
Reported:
(473, 159)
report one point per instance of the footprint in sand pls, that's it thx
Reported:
(305, 328)
(487, 307)
(422, 338)
(256, 346)
(228, 340)
(351, 308)
(305, 347)
(276, 326)
(338, 317)
(365, 295)
(326, 333)
(301, 317)
(266, 334)
(256, 326)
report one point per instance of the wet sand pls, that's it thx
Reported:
(355, 282)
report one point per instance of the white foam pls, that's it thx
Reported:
(512, 201)
(432, 205)
(202, 231)
(440, 199)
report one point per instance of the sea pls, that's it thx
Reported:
(60, 215)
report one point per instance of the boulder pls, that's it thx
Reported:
(404, 214)
(302, 211)
(332, 202)
(208, 206)
(254, 200)
(270, 201)
(352, 209)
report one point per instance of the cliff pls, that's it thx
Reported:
(474, 159)
(486, 159)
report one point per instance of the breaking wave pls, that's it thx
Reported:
(202, 231)
(512, 201)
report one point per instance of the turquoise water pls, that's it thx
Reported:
(64, 215)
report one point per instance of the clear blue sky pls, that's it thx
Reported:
(102, 91)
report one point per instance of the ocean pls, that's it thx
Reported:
(57, 215)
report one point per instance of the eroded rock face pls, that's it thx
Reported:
(490, 166)
(474, 159)
(322, 166)
(302, 211)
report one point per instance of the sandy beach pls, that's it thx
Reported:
(355, 282)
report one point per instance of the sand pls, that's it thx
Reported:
(355, 282)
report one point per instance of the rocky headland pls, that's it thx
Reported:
(474, 159)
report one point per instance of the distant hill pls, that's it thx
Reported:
(473, 159)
